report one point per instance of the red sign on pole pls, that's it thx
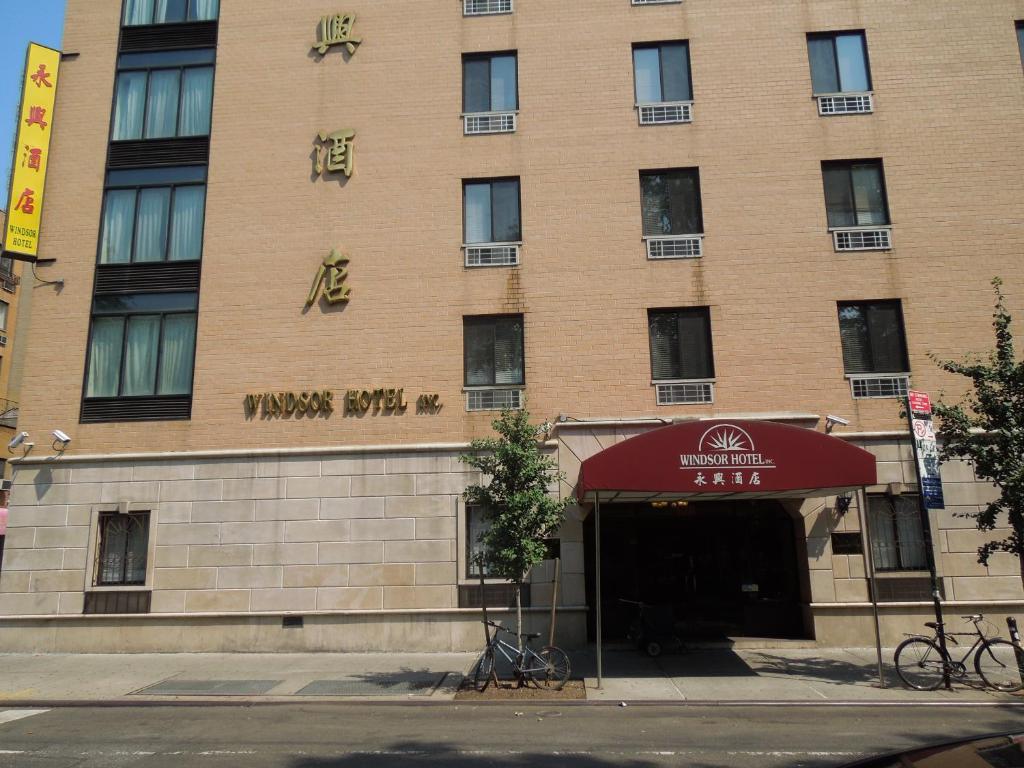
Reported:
(920, 402)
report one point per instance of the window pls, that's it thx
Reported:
(839, 63)
(872, 337)
(491, 211)
(124, 545)
(670, 202)
(142, 345)
(153, 215)
(897, 533)
(661, 72)
(138, 12)
(493, 350)
(4, 306)
(855, 193)
(477, 524)
(163, 95)
(6, 264)
(489, 83)
(680, 344)
(1020, 39)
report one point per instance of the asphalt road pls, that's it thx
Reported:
(372, 736)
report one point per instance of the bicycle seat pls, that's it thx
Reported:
(530, 635)
(973, 617)
(931, 625)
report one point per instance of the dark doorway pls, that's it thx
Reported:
(718, 569)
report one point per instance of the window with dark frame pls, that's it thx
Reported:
(872, 337)
(493, 350)
(153, 215)
(4, 307)
(491, 211)
(1020, 40)
(661, 72)
(163, 94)
(144, 12)
(123, 549)
(670, 202)
(839, 62)
(490, 82)
(855, 193)
(897, 533)
(141, 345)
(477, 524)
(681, 344)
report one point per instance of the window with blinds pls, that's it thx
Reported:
(872, 336)
(670, 202)
(855, 193)
(681, 344)
(493, 350)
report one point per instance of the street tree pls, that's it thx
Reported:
(986, 428)
(515, 499)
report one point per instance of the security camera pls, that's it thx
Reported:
(17, 440)
(60, 437)
(830, 419)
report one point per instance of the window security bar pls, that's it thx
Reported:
(494, 399)
(879, 387)
(475, 123)
(685, 392)
(492, 255)
(846, 104)
(666, 112)
(675, 247)
(863, 239)
(485, 7)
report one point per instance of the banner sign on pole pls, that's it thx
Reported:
(31, 153)
(926, 450)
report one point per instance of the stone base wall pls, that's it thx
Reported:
(852, 626)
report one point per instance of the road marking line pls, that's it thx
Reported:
(10, 715)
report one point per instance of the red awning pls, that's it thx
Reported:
(725, 459)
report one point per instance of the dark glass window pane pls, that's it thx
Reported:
(145, 302)
(479, 353)
(170, 11)
(151, 224)
(476, 85)
(851, 57)
(477, 523)
(504, 94)
(493, 348)
(508, 351)
(853, 333)
(1020, 39)
(670, 203)
(140, 351)
(158, 59)
(664, 336)
(839, 196)
(105, 345)
(872, 338)
(505, 211)
(162, 104)
(869, 195)
(681, 344)
(647, 75)
(477, 213)
(157, 176)
(824, 73)
(675, 72)
(177, 355)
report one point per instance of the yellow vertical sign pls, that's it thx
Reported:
(31, 153)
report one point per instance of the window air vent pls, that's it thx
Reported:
(494, 399)
(863, 239)
(666, 112)
(877, 387)
(160, 277)
(117, 602)
(492, 255)
(476, 123)
(686, 392)
(151, 153)
(846, 104)
(485, 7)
(115, 409)
(166, 37)
(675, 247)
(494, 595)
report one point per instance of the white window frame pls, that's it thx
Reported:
(852, 103)
(708, 384)
(876, 230)
(854, 377)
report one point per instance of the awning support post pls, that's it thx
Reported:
(869, 563)
(597, 565)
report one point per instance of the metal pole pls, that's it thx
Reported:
(928, 546)
(597, 562)
(869, 563)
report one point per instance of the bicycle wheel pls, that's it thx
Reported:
(555, 670)
(919, 664)
(996, 664)
(484, 670)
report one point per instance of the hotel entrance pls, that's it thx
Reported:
(714, 569)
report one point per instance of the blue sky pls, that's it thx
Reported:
(21, 22)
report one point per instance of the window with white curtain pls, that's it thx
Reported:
(142, 345)
(897, 533)
(491, 211)
(163, 95)
(153, 215)
(139, 12)
(493, 349)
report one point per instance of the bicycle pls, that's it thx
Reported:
(921, 664)
(547, 669)
(652, 628)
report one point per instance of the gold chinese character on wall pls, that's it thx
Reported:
(331, 277)
(337, 30)
(339, 148)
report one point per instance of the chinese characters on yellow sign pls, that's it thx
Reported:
(331, 276)
(337, 30)
(31, 153)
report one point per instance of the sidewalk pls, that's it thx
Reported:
(792, 676)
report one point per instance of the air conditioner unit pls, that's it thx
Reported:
(5, 485)
(3, 340)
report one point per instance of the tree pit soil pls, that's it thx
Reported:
(506, 690)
